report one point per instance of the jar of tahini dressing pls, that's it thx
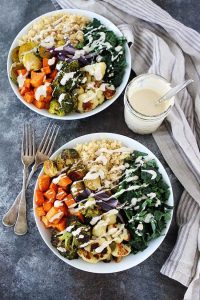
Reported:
(142, 112)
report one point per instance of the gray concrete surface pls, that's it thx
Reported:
(28, 269)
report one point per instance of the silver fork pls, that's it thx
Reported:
(43, 153)
(27, 157)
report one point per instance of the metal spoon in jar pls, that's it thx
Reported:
(173, 91)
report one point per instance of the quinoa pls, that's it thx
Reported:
(59, 26)
(110, 166)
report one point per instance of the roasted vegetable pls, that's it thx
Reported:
(54, 107)
(121, 250)
(93, 183)
(69, 156)
(50, 168)
(15, 54)
(68, 103)
(66, 244)
(76, 175)
(44, 182)
(77, 187)
(13, 70)
(26, 48)
(90, 209)
(31, 61)
(44, 52)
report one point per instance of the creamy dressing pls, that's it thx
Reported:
(66, 77)
(120, 150)
(130, 188)
(56, 216)
(48, 42)
(58, 203)
(152, 172)
(41, 91)
(61, 98)
(51, 61)
(57, 179)
(21, 79)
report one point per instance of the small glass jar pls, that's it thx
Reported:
(137, 121)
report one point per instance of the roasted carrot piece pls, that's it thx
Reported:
(45, 62)
(46, 70)
(27, 83)
(39, 104)
(63, 209)
(64, 181)
(46, 222)
(61, 225)
(48, 80)
(39, 198)
(53, 74)
(54, 215)
(47, 99)
(47, 105)
(47, 205)
(69, 200)
(79, 215)
(21, 72)
(29, 97)
(54, 187)
(44, 182)
(61, 194)
(50, 194)
(24, 90)
(37, 78)
(40, 211)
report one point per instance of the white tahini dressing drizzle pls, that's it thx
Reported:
(51, 61)
(152, 172)
(21, 79)
(41, 91)
(66, 77)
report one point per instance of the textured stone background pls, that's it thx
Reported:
(28, 269)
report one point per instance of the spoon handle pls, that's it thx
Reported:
(172, 92)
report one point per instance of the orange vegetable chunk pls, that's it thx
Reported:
(40, 211)
(37, 78)
(44, 182)
(27, 83)
(64, 181)
(24, 90)
(50, 194)
(54, 215)
(29, 97)
(46, 222)
(47, 205)
(39, 198)
(61, 194)
(54, 187)
(21, 72)
(39, 104)
(45, 62)
(46, 70)
(61, 225)
(53, 74)
(69, 200)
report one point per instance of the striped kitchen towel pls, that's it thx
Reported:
(166, 47)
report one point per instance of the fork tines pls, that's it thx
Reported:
(28, 141)
(48, 140)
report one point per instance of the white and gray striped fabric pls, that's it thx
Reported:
(166, 47)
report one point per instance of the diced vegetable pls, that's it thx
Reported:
(54, 187)
(46, 222)
(37, 78)
(61, 194)
(77, 187)
(50, 194)
(13, 70)
(64, 182)
(44, 183)
(46, 70)
(39, 104)
(26, 48)
(69, 200)
(44, 53)
(40, 211)
(54, 215)
(61, 225)
(29, 97)
(39, 198)
(47, 205)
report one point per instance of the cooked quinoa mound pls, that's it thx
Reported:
(99, 157)
(59, 26)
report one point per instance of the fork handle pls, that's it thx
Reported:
(21, 226)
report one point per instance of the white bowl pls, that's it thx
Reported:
(74, 115)
(131, 260)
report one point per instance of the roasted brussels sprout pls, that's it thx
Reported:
(92, 184)
(60, 163)
(31, 61)
(44, 52)
(50, 168)
(13, 70)
(77, 187)
(26, 48)
(15, 54)
(69, 155)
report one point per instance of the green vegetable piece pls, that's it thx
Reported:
(50, 168)
(44, 52)
(15, 54)
(31, 61)
(26, 48)
(54, 107)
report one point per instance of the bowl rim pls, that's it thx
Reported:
(143, 255)
(74, 115)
